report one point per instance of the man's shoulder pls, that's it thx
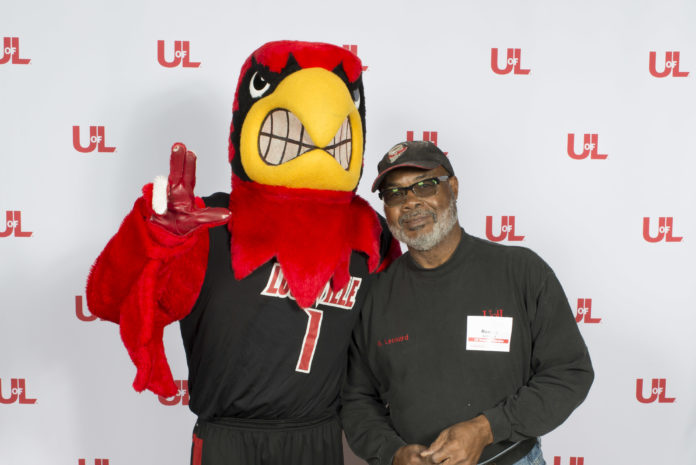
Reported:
(387, 276)
(513, 255)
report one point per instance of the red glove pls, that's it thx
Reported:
(183, 215)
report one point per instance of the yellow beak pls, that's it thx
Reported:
(306, 134)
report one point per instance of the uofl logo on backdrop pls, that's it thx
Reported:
(352, 48)
(81, 310)
(13, 225)
(10, 52)
(590, 148)
(430, 136)
(584, 312)
(181, 396)
(96, 462)
(513, 62)
(181, 55)
(96, 140)
(572, 461)
(671, 65)
(665, 230)
(17, 392)
(507, 230)
(657, 392)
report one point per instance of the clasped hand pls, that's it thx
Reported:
(460, 444)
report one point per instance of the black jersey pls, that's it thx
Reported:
(252, 352)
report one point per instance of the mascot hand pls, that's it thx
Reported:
(181, 214)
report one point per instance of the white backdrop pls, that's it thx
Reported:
(71, 67)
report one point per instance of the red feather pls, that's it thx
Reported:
(310, 232)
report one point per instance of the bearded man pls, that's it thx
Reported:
(466, 350)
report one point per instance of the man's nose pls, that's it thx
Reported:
(412, 200)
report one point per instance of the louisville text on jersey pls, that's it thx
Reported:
(277, 286)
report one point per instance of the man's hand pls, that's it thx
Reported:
(460, 444)
(410, 455)
(182, 216)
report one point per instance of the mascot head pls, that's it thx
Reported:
(296, 150)
(299, 117)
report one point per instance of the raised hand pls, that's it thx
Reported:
(182, 216)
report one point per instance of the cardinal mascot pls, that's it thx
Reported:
(266, 281)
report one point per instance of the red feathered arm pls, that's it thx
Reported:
(151, 272)
(145, 279)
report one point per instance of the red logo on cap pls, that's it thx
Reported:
(396, 152)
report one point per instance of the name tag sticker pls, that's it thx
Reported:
(490, 333)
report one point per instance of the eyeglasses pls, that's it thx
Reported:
(393, 196)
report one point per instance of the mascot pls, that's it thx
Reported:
(267, 281)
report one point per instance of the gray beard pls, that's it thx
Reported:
(441, 227)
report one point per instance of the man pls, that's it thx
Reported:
(466, 351)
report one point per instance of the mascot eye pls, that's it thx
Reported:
(356, 97)
(258, 85)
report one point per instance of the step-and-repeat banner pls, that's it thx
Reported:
(569, 124)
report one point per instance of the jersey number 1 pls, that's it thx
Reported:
(309, 344)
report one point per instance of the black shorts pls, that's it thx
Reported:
(233, 441)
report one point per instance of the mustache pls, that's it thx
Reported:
(415, 214)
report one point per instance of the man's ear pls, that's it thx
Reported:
(454, 185)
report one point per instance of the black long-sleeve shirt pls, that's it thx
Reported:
(410, 374)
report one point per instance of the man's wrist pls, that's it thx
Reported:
(499, 424)
(391, 448)
(485, 428)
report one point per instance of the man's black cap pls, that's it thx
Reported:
(411, 154)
